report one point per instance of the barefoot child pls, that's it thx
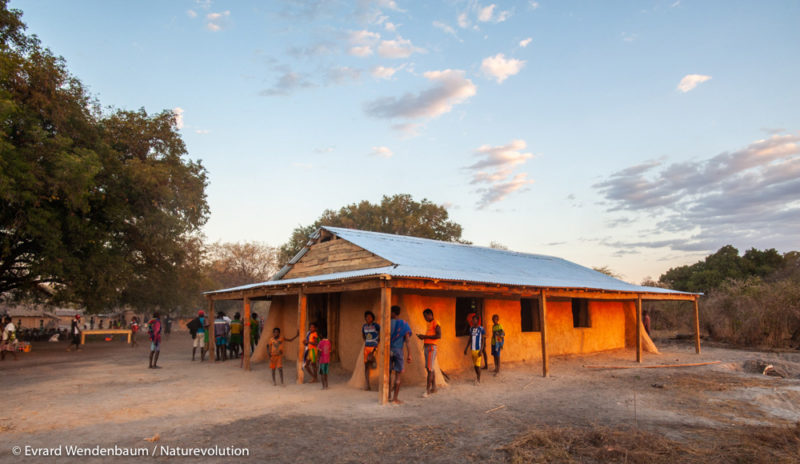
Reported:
(498, 338)
(324, 360)
(154, 331)
(370, 332)
(313, 352)
(276, 352)
(476, 336)
(400, 333)
(430, 340)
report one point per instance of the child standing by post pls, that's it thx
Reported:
(324, 360)
(498, 337)
(312, 358)
(276, 352)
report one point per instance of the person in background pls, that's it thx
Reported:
(646, 321)
(154, 332)
(430, 340)
(101, 323)
(221, 329)
(371, 333)
(255, 332)
(498, 338)
(276, 352)
(75, 333)
(235, 343)
(197, 331)
(134, 330)
(476, 335)
(9, 342)
(91, 323)
(399, 335)
(324, 360)
(167, 326)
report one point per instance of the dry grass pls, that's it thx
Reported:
(767, 445)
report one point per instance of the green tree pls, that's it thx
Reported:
(399, 214)
(99, 210)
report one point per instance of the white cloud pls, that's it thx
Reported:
(384, 72)
(501, 68)
(328, 149)
(178, 115)
(360, 51)
(408, 129)
(391, 27)
(398, 48)
(202, 131)
(383, 152)
(449, 87)
(485, 13)
(216, 21)
(690, 81)
(463, 20)
(495, 169)
(534, 5)
(191, 13)
(525, 42)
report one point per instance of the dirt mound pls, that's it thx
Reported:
(782, 369)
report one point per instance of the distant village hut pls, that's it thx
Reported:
(547, 305)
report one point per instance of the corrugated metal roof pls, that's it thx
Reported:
(433, 259)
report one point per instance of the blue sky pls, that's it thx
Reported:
(638, 135)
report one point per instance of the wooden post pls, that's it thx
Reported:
(383, 348)
(543, 322)
(639, 328)
(302, 309)
(212, 343)
(246, 335)
(129, 337)
(696, 325)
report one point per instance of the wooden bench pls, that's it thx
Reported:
(104, 332)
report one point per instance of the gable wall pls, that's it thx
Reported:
(334, 256)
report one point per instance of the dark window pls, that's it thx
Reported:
(529, 315)
(580, 313)
(465, 307)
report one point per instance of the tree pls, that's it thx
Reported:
(607, 271)
(102, 209)
(399, 214)
(234, 264)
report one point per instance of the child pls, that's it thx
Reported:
(235, 343)
(155, 340)
(476, 335)
(324, 360)
(276, 352)
(430, 339)
(312, 357)
(370, 332)
(134, 330)
(498, 337)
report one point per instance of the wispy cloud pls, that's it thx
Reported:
(217, 21)
(362, 42)
(749, 195)
(690, 81)
(488, 13)
(448, 88)
(191, 13)
(288, 83)
(446, 28)
(501, 68)
(382, 152)
(342, 75)
(493, 172)
(202, 131)
(398, 48)
(384, 72)
(525, 42)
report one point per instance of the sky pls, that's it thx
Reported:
(637, 135)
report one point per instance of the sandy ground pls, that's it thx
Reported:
(105, 395)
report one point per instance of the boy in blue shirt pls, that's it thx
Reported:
(371, 333)
(476, 335)
(400, 333)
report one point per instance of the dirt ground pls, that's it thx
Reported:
(105, 395)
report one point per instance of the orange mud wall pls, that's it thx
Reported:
(612, 327)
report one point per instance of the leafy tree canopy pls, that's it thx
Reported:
(100, 210)
(725, 264)
(399, 214)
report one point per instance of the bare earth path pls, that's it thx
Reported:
(105, 395)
